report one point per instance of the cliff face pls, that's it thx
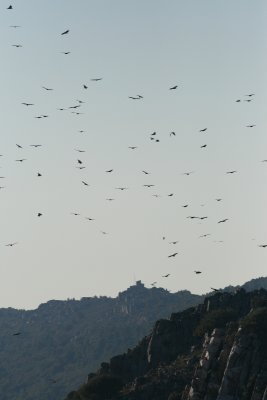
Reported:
(214, 351)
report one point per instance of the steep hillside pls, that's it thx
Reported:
(214, 351)
(62, 340)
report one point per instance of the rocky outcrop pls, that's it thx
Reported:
(175, 362)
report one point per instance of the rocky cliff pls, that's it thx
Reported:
(214, 351)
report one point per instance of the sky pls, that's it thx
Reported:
(215, 52)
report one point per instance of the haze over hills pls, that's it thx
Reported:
(51, 350)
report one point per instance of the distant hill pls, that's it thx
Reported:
(60, 342)
(214, 351)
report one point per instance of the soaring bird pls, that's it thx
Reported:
(250, 95)
(218, 199)
(27, 104)
(85, 183)
(11, 244)
(85, 87)
(79, 162)
(39, 214)
(197, 272)
(121, 188)
(263, 245)
(231, 172)
(215, 290)
(14, 26)
(96, 79)
(10, 7)
(17, 45)
(47, 88)
(89, 219)
(65, 52)
(19, 146)
(145, 172)
(109, 170)
(132, 147)
(175, 242)
(185, 205)
(80, 151)
(35, 145)
(250, 126)
(17, 334)
(149, 186)
(65, 32)
(205, 235)
(173, 87)
(21, 160)
(172, 134)
(165, 276)
(203, 130)
(188, 173)
(39, 174)
(222, 220)
(172, 255)
(74, 213)
(153, 283)
(203, 146)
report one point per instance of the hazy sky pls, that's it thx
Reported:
(215, 51)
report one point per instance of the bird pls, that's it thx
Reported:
(65, 52)
(96, 79)
(153, 283)
(250, 126)
(203, 146)
(185, 205)
(10, 7)
(76, 106)
(203, 130)
(165, 276)
(121, 188)
(35, 145)
(28, 104)
(250, 95)
(215, 290)
(109, 199)
(39, 174)
(74, 213)
(17, 334)
(19, 146)
(104, 233)
(89, 219)
(202, 218)
(17, 45)
(175, 242)
(218, 199)
(85, 87)
(172, 255)
(47, 88)
(170, 195)
(222, 220)
(173, 87)
(149, 186)
(14, 26)
(197, 272)
(11, 244)
(21, 160)
(204, 235)
(109, 170)
(238, 101)
(132, 147)
(65, 32)
(79, 162)
(231, 172)
(39, 214)
(145, 172)
(172, 134)
(188, 173)
(85, 183)
(263, 245)
(80, 151)
(79, 167)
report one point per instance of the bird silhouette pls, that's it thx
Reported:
(19, 146)
(39, 214)
(172, 134)
(96, 79)
(17, 333)
(65, 32)
(173, 87)
(11, 244)
(165, 276)
(250, 126)
(10, 7)
(203, 130)
(262, 245)
(85, 87)
(197, 272)
(27, 104)
(21, 160)
(148, 186)
(48, 89)
(203, 146)
(65, 52)
(175, 242)
(172, 255)
(215, 290)
(132, 147)
(222, 220)
(39, 174)
(231, 172)
(85, 183)
(109, 170)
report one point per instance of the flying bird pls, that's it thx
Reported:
(203, 130)
(215, 290)
(65, 52)
(172, 134)
(132, 147)
(27, 104)
(145, 172)
(85, 87)
(35, 145)
(263, 245)
(17, 45)
(96, 79)
(11, 244)
(39, 174)
(65, 32)
(19, 146)
(109, 170)
(85, 183)
(10, 7)
(203, 146)
(222, 220)
(250, 126)
(47, 88)
(172, 255)
(149, 186)
(231, 172)
(197, 272)
(173, 87)
(165, 276)
(17, 334)
(39, 214)
(174, 242)
(21, 160)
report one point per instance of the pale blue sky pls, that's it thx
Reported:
(215, 51)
